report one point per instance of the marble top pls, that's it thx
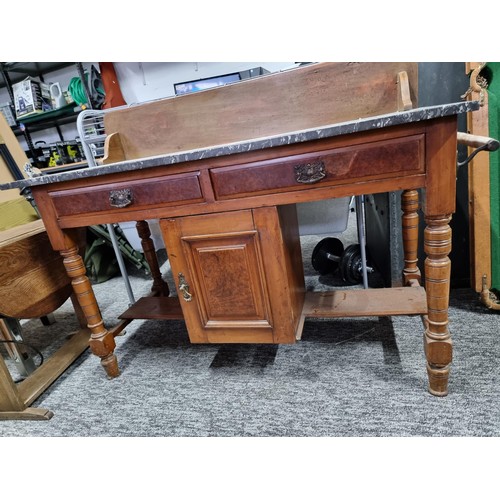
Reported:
(337, 129)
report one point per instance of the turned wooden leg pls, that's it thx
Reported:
(159, 287)
(410, 205)
(437, 340)
(102, 342)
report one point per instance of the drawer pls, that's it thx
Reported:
(378, 160)
(129, 195)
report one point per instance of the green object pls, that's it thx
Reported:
(494, 120)
(100, 261)
(55, 113)
(76, 90)
(100, 258)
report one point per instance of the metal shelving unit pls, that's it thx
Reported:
(14, 72)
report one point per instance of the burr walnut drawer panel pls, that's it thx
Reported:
(381, 159)
(129, 195)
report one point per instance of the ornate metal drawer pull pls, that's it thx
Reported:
(184, 288)
(309, 173)
(120, 198)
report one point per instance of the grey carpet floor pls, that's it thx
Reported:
(346, 377)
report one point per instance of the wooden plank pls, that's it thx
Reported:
(154, 308)
(400, 301)
(479, 201)
(404, 94)
(113, 149)
(20, 232)
(27, 414)
(15, 213)
(261, 107)
(9, 395)
(45, 375)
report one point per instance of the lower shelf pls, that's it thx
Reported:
(402, 301)
(154, 308)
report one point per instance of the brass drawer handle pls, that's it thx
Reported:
(184, 288)
(309, 173)
(120, 198)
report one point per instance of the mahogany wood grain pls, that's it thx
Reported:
(235, 264)
(220, 259)
(172, 190)
(380, 166)
(391, 158)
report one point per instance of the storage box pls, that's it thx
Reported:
(6, 110)
(130, 232)
(31, 97)
(323, 217)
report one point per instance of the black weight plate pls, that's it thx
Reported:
(320, 260)
(350, 265)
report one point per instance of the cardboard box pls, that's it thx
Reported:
(31, 97)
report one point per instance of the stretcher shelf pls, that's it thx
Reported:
(154, 308)
(399, 301)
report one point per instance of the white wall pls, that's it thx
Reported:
(140, 82)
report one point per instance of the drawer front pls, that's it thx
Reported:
(129, 195)
(379, 160)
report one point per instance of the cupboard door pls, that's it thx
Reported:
(221, 265)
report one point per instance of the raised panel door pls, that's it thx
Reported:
(230, 276)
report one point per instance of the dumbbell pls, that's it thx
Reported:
(329, 255)
(326, 255)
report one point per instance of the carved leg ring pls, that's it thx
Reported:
(410, 218)
(437, 340)
(102, 342)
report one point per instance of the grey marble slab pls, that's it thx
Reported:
(337, 129)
